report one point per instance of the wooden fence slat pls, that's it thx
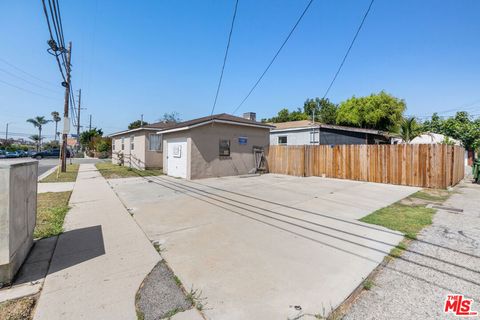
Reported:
(432, 166)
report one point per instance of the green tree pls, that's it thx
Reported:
(87, 138)
(380, 111)
(56, 118)
(410, 129)
(38, 122)
(325, 111)
(173, 117)
(460, 127)
(35, 138)
(285, 115)
(136, 124)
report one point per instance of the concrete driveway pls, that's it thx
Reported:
(264, 247)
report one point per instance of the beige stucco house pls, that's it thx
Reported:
(215, 146)
(212, 146)
(139, 148)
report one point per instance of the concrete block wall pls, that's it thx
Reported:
(18, 211)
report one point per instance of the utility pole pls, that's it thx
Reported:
(90, 124)
(141, 121)
(63, 152)
(78, 118)
(6, 134)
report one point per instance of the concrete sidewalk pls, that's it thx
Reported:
(100, 260)
(44, 187)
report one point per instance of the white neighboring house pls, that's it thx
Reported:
(433, 138)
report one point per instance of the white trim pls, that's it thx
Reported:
(131, 130)
(294, 129)
(214, 120)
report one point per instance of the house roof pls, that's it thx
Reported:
(307, 124)
(219, 118)
(149, 127)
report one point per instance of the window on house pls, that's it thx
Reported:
(132, 142)
(282, 140)
(113, 144)
(224, 147)
(155, 142)
(123, 143)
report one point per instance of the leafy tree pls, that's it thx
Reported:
(52, 145)
(433, 125)
(39, 122)
(410, 129)
(87, 138)
(460, 127)
(136, 124)
(285, 115)
(103, 144)
(56, 118)
(380, 111)
(171, 117)
(36, 138)
(325, 111)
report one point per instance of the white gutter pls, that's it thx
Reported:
(294, 129)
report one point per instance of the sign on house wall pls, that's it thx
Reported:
(242, 140)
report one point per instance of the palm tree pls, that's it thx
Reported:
(35, 138)
(56, 119)
(410, 129)
(39, 122)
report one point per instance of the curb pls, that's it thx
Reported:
(47, 173)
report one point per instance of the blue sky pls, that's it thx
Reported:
(152, 57)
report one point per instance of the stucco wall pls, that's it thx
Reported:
(140, 157)
(205, 160)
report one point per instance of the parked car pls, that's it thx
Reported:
(54, 153)
(12, 154)
(2, 154)
(22, 153)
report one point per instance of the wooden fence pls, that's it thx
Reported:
(421, 165)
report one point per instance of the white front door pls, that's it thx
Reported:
(177, 157)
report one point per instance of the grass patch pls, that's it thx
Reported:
(112, 171)
(20, 309)
(368, 284)
(51, 210)
(431, 196)
(406, 219)
(69, 176)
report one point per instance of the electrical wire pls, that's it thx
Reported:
(225, 57)
(28, 74)
(26, 90)
(348, 50)
(27, 81)
(51, 38)
(275, 56)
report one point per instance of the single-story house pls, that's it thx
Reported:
(215, 146)
(139, 148)
(306, 132)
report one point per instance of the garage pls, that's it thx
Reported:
(215, 146)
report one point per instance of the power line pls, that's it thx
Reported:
(51, 38)
(348, 50)
(27, 73)
(275, 56)
(26, 90)
(225, 57)
(27, 81)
